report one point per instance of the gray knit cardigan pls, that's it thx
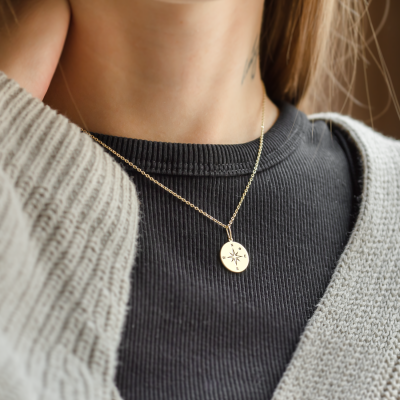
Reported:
(69, 219)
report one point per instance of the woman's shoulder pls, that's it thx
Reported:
(378, 161)
(379, 154)
(68, 230)
(56, 169)
(356, 130)
(37, 140)
(366, 278)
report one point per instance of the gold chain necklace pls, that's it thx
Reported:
(233, 255)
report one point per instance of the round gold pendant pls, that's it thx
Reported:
(234, 256)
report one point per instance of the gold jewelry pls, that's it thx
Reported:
(233, 255)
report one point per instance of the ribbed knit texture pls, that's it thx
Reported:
(64, 270)
(350, 348)
(195, 329)
(69, 222)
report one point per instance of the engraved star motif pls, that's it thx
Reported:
(234, 256)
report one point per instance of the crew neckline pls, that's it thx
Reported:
(214, 159)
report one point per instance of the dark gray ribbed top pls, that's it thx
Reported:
(195, 330)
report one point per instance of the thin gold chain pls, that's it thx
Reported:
(227, 227)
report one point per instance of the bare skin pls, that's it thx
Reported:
(30, 49)
(159, 70)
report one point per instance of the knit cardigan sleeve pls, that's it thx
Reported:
(69, 220)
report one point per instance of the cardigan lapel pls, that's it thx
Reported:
(350, 347)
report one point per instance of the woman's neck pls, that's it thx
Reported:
(158, 71)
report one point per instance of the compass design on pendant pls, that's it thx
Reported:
(234, 256)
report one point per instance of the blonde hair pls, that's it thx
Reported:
(302, 43)
(308, 47)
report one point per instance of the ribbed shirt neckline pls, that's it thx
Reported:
(214, 159)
